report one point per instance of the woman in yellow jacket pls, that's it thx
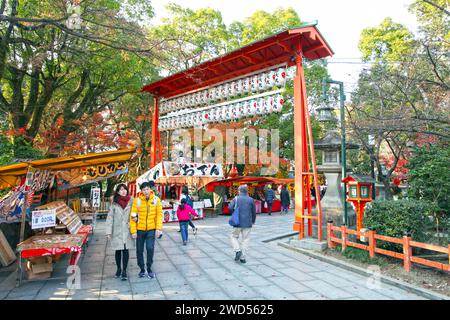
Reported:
(145, 225)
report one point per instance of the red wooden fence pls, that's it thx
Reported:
(372, 237)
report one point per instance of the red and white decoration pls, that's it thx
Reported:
(253, 84)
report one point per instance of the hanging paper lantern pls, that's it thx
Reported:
(219, 92)
(205, 96)
(280, 77)
(245, 85)
(261, 106)
(205, 117)
(245, 105)
(278, 103)
(196, 99)
(232, 89)
(213, 115)
(212, 94)
(270, 104)
(229, 113)
(181, 102)
(262, 83)
(238, 86)
(253, 107)
(254, 83)
(271, 78)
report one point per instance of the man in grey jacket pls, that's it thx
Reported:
(247, 217)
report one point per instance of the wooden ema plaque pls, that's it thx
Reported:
(66, 215)
(72, 241)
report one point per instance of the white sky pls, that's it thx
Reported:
(339, 21)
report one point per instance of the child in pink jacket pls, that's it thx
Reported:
(183, 213)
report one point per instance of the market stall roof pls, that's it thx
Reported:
(271, 51)
(247, 180)
(10, 173)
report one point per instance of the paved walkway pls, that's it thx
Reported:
(205, 269)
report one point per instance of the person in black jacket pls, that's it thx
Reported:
(270, 197)
(247, 217)
(285, 199)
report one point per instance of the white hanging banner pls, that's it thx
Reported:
(96, 197)
(192, 169)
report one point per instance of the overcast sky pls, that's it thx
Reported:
(339, 21)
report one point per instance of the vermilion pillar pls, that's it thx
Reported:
(156, 151)
(303, 133)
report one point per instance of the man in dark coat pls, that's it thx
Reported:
(247, 217)
(270, 196)
(285, 199)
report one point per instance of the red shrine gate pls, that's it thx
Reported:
(288, 48)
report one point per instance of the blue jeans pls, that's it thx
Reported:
(147, 239)
(184, 230)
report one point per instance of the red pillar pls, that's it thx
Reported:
(303, 132)
(156, 139)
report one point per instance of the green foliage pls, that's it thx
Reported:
(6, 150)
(360, 255)
(359, 161)
(388, 42)
(434, 23)
(262, 24)
(428, 180)
(191, 37)
(393, 218)
(428, 177)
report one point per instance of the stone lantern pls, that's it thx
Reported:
(332, 202)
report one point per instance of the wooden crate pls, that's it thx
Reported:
(7, 255)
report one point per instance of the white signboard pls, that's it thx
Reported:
(43, 219)
(96, 197)
(207, 203)
(198, 205)
(192, 169)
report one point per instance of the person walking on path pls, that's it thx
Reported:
(247, 217)
(270, 196)
(146, 221)
(184, 212)
(118, 229)
(285, 199)
(190, 202)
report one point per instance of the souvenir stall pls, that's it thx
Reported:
(256, 189)
(39, 199)
(171, 177)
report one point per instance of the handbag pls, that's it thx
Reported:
(234, 220)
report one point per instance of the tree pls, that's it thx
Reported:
(193, 36)
(428, 180)
(45, 64)
(403, 95)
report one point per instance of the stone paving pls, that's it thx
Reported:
(205, 269)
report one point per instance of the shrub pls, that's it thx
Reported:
(393, 218)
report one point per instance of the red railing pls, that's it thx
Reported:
(372, 238)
